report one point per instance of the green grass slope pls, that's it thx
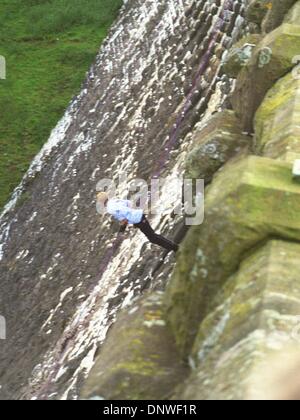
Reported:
(48, 46)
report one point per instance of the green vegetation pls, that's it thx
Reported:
(48, 45)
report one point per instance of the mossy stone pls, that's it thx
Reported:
(254, 315)
(138, 359)
(254, 81)
(293, 16)
(213, 145)
(240, 54)
(257, 10)
(277, 121)
(250, 200)
(276, 11)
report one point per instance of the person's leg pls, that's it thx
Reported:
(154, 238)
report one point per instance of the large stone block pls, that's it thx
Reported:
(256, 314)
(272, 59)
(293, 16)
(275, 380)
(240, 54)
(250, 200)
(257, 10)
(277, 10)
(214, 144)
(138, 359)
(277, 121)
(269, 14)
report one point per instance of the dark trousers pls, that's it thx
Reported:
(153, 237)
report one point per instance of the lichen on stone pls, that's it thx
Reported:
(264, 57)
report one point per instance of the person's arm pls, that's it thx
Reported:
(119, 210)
(123, 222)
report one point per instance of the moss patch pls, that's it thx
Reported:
(219, 140)
(256, 79)
(277, 121)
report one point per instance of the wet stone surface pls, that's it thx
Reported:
(61, 285)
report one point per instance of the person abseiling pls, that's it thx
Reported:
(123, 211)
